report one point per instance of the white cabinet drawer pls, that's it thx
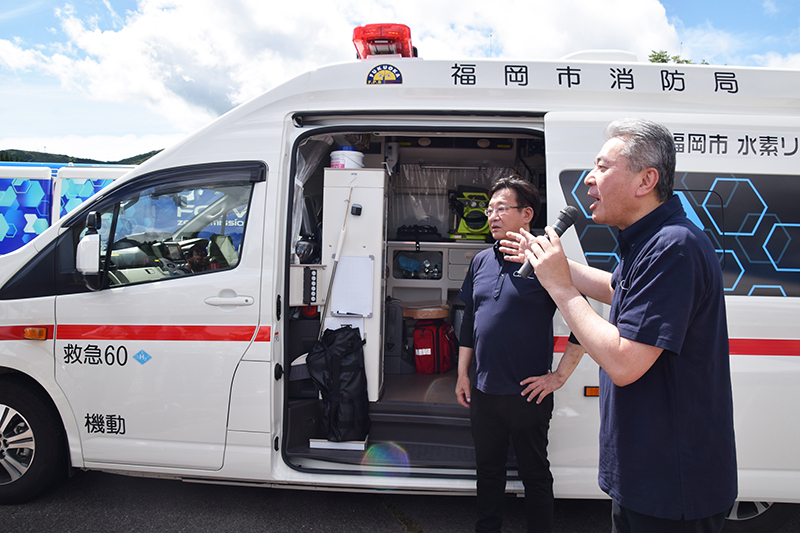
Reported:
(463, 256)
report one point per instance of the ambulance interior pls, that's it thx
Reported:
(424, 221)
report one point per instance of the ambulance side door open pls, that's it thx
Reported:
(572, 142)
(148, 361)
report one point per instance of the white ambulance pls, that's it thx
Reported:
(159, 329)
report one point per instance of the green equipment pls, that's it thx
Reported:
(470, 220)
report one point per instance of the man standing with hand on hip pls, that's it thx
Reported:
(667, 452)
(508, 330)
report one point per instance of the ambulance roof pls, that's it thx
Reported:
(392, 85)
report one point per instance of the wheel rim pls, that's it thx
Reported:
(747, 510)
(17, 445)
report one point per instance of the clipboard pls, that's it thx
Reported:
(351, 294)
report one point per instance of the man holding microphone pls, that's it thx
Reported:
(667, 452)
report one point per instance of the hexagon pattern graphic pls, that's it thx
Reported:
(75, 191)
(25, 206)
(752, 221)
(24, 211)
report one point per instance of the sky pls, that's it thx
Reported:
(110, 79)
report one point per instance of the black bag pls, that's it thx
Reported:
(336, 366)
(396, 359)
(418, 233)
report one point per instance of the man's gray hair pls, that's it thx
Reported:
(647, 145)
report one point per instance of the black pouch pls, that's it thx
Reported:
(418, 233)
(336, 366)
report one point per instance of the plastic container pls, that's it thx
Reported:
(347, 157)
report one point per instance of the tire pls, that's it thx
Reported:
(758, 517)
(32, 445)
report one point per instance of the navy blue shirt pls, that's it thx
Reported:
(666, 441)
(508, 320)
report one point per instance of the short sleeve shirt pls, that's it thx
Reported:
(508, 320)
(666, 441)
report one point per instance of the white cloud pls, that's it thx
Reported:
(14, 57)
(706, 42)
(191, 60)
(719, 47)
(549, 30)
(773, 60)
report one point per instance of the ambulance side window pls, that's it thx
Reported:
(175, 228)
(181, 231)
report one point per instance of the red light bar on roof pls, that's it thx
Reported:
(382, 39)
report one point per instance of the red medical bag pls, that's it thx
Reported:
(434, 346)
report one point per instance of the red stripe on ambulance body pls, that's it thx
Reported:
(155, 333)
(783, 347)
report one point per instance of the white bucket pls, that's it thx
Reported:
(347, 159)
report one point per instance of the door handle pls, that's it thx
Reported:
(236, 300)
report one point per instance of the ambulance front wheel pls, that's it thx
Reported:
(32, 449)
(758, 517)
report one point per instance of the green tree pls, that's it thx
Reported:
(7, 156)
(662, 56)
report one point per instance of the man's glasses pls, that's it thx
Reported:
(501, 209)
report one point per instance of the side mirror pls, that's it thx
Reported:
(87, 256)
(93, 222)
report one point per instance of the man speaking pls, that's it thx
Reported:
(667, 453)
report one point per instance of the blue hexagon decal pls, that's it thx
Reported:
(33, 196)
(4, 227)
(583, 200)
(21, 185)
(34, 224)
(596, 238)
(8, 197)
(727, 275)
(603, 261)
(86, 190)
(751, 220)
(780, 244)
(741, 197)
(766, 290)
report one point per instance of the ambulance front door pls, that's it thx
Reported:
(147, 361)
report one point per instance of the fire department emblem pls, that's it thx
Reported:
(384, 75)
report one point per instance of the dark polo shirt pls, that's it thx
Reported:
(508, 321)
(666, 440)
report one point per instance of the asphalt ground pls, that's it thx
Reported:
(99, 502)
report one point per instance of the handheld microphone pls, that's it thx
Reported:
(566, 217)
